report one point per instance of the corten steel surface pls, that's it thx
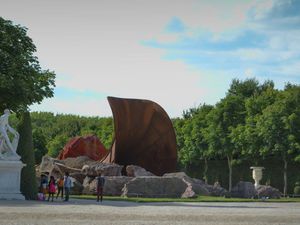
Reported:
(89, 146)
(144, 136)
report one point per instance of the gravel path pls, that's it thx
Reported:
(118, 213)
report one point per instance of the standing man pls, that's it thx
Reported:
(100, 184)
(67, 186)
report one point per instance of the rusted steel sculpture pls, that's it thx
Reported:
(89, 145)
(144, 136)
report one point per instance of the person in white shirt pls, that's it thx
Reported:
(67, 186)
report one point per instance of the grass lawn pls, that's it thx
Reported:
(198, 199)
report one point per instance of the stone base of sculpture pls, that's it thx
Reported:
(10, 175)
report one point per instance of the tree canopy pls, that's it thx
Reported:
(253, 121)
(22, 81)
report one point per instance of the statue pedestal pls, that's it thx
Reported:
(10, 175)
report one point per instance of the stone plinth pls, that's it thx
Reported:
(10, 175)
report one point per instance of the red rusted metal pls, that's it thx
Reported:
(144, 136)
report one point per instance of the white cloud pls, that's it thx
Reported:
(95, 46)
(88, 107)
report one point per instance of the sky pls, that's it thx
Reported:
(177, 53)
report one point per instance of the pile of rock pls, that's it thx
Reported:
(138, 181)
(248, 190)
(142, 183)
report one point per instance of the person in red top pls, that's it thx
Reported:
(51, 188)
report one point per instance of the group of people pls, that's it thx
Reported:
(61, 187)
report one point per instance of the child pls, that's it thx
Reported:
(52, 188)
(43, 186)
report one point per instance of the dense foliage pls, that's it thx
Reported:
(22, 83)
(51, 132)
(252, 122)
(25, 150)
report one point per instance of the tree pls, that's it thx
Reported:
(22, 81)
(227, 118)
(279, 127)
(56, 145)
(195, 146)
(25, 150)
(246, 136)
(39, 145)
(200, 124)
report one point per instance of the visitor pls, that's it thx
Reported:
(60, 187)
(67, 186)
(51, 188)
(100, 184)
(43, 186)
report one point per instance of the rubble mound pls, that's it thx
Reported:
(244, 190)
(265, 191)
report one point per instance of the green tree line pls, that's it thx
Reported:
(51, 132)
(252, 122)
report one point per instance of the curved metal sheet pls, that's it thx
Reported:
(144, 136)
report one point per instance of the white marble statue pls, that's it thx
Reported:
(8, 148)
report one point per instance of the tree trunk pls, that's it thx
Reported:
(229, 160)
(205, 170)
(285, 176)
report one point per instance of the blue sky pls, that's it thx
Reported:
(177, 53)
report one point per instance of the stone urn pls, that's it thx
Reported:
(257, 174)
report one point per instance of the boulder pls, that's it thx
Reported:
(216, 190)
(89, 146)
(137, 171)
(89, 186)
(106, 169)
(77, 162)
(61, 169)
(180, 175)
(265, 191)
(78, 176)
(244, 190)
(196, 185)
(155, 187)
(77, 187)
(112, 186)
(189, 192)
(47, 164)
